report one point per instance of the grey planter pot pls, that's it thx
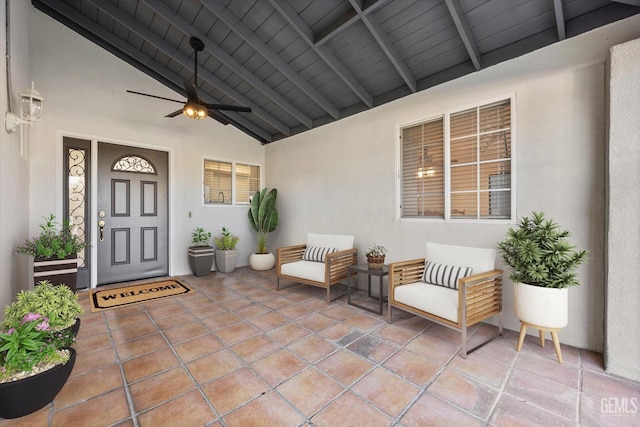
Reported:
(226, 260)
(201, 260)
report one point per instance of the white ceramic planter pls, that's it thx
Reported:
(545, 307)
(262, 262)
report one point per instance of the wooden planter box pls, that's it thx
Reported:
(57, 271)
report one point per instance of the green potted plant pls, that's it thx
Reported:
(201, 253)
(55, 252)
(35, 363)
(263, 219)
(226, 253)
(543, 266)
(59, 304)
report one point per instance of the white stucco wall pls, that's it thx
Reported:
(85, 96)
(14, 168)
(341, 177)
(622, 346)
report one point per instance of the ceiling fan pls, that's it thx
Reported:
(194, 107)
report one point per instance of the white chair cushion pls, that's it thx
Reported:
(480, 259)
(434, 299)
(309, 270)
(340, 241)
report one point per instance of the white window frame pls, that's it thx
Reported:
(447, 165)
(233, 163)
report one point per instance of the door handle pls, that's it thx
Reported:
(101, 224)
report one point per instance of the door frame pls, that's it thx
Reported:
(93, 208)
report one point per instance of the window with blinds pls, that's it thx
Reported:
(247, 182)
(423, 170)
(217, 182)
(475, 180)
(227, 183)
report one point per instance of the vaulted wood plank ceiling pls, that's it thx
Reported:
(299, 64)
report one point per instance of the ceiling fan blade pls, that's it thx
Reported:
(215, 116)
(192, 93)
(228, 107)
(175, 113)
(155, 96)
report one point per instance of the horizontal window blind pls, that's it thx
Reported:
(476, 181)
(481, 162)
(247, 182)
(422, 170)
(217, 182)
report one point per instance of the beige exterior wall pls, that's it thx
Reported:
(623, 234)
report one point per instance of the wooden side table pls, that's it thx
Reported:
(364, 269)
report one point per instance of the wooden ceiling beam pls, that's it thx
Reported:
(306, 33)
(121, 48)
(462, 25)
(184, 60)
(385, 43)
(558, 8)
(635, 3)
(239, 28)
(221, 55)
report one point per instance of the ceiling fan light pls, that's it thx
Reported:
(195, 111)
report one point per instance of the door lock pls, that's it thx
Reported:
(101, 224)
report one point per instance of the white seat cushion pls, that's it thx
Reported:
(310, 270)
(480, 259)
(340, 241)
(433, 299)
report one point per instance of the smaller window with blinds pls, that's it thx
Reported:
(229, 183)
(458, 166)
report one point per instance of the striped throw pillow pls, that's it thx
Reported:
(444, 275)
(317, 253)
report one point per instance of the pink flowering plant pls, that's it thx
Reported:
(30, 346)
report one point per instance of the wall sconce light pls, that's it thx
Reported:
(194, 110)
(31, 104)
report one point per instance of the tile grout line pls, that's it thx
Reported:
(125, 383)
(503, 386)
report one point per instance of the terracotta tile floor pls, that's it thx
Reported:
(238, 353)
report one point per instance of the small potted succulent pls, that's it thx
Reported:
(226, 253)
(201, 253)
(375, 255)
(543, 266)
(55, 242)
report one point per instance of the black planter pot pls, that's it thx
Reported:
(25, 396)
(201, 260)
(56, 270)
(75, 328)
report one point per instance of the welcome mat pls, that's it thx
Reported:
(105, 299)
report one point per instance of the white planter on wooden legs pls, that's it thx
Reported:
(545, 309)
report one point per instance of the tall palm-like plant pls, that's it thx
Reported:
(263, 216)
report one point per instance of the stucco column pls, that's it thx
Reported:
(622, 290)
